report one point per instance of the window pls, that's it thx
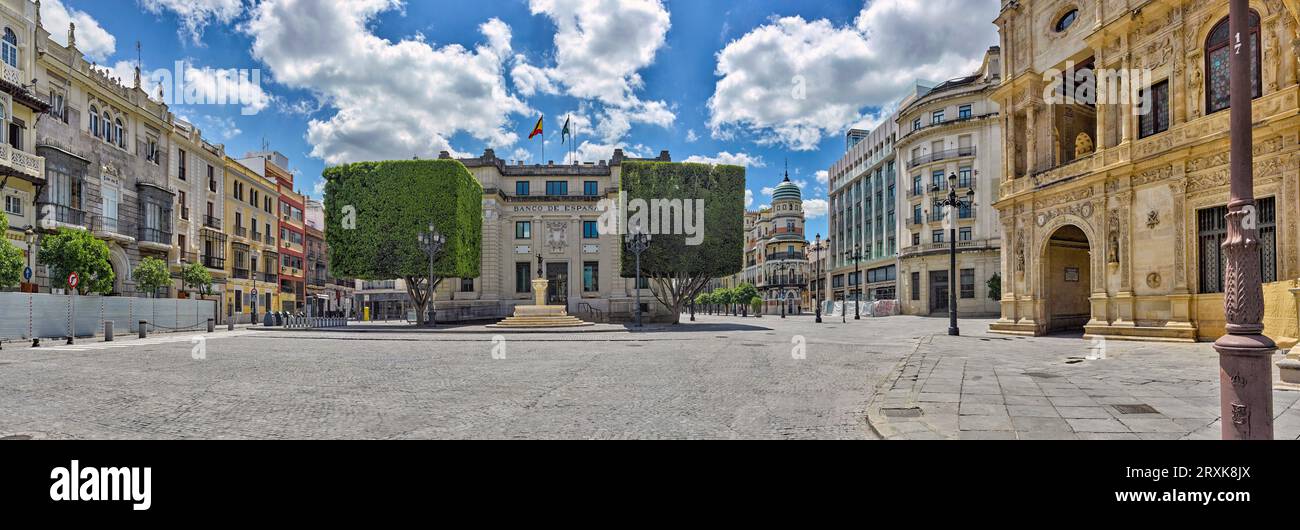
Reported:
(9, 48)
(523, 229)
(467, 285)
(94, 122)
(1156, 118)
(108, 130)
(13, 205)
(968, 283)
(964, 234)
(917, 189)
(58, 106)
(916, 124)
(1067, 20)
(916, 238)
(964, 112)
(590, 188)
(936, 117)
(590, 277)
(1212, 230)
(916, 214)
(557, 187)
(1217, 55)
(266, 204)
(916, 286)
(521, 188)
(523, 277)
(936, 236)
(590, 230)
(212, 180)
(964, 178)
(938, 181)
(180, 159)
(119, 132)
(152, 153)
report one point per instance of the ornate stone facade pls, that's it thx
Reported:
(1133, 213)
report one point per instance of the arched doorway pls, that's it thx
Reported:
(1067, 279)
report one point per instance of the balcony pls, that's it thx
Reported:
(241, 274)
(257, 236)
(57, 213)
(990, 244)
(155, 235)
(188, 257)
(317, 282)
(212, 222)
(241, 231)
(779, 256)
(270, 240)
(21, 164)
(915, 191)
(213, 262)
(270, 277)
(938, 156)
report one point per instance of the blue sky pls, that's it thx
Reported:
(754, 82)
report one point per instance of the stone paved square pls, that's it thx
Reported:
(720, 377)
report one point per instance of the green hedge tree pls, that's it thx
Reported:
(678, 270)
(150, 275)
(745, 293)
(756, 303)
(995, 287)
(11, 259)
(376, 211)
(70, 250)
(196, 279)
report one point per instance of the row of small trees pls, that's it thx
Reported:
(72, 250)
(740, 300)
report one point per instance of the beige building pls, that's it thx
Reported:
(776, 259)
(196, 174)
(548, 211)
(1113, 220)
(949, 131)
(22, 171)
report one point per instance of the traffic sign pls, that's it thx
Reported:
(73, 280)
(254, 293)
(27, 274)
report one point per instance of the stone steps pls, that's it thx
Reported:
(556, 321)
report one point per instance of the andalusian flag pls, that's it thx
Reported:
(564, 135)
(538, 129)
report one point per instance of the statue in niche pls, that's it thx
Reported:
(1020, 253)
(1112, 250)
(1197, 79)
(1082, 145)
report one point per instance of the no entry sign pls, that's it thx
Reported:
(73, 280)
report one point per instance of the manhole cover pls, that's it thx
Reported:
(16, 437)
(1074, 361)
(1136, 409)
(902, 413)
(1042, 375)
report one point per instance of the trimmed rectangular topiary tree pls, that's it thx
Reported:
(679, 271)
(376, 211)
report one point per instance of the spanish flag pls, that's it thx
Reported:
(538, 129)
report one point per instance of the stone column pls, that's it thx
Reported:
(1031, 138)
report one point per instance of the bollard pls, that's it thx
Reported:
(144, 328)
(230, 325)
(212, 325)
(108, 331)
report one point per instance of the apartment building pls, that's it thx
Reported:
(253, 263)
(197, 177)
(863, 216)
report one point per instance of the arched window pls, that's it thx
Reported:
(117, 131)
(1067, 20)
(94, 121)
(1218, 53)
(108, 127)
(9, 48)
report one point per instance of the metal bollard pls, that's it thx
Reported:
(212, 325)
(144, 329)
(108, 331)
(230, 325)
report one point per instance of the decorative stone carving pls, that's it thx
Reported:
(1020, 253)
(1197, 84)
(1154, 280)
(1153, 219)
(1112, 246)
(1082, 145)
(556, 238)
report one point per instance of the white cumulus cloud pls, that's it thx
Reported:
(737, 159)
(391, 100)
(814, 208)
(92, 39)
(793, 81)
(196, 15)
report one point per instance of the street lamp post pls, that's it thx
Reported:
(1245, 372)
(432, 242)
(955, 203)
(817, 282)
(252, 268)
(638, 242)
(856, 256)
(783, 272)
(30, 236)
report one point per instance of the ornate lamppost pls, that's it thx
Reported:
(856, 256)
(955, 204)
(638, 242)
(783, 272)
(1245, 353)
(432, 242)
(817, 283)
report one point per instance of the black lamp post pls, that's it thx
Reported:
(856, 256)
(817, 282)
(955, 204)
(782, 272)
(432, 242)
(638, 242)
